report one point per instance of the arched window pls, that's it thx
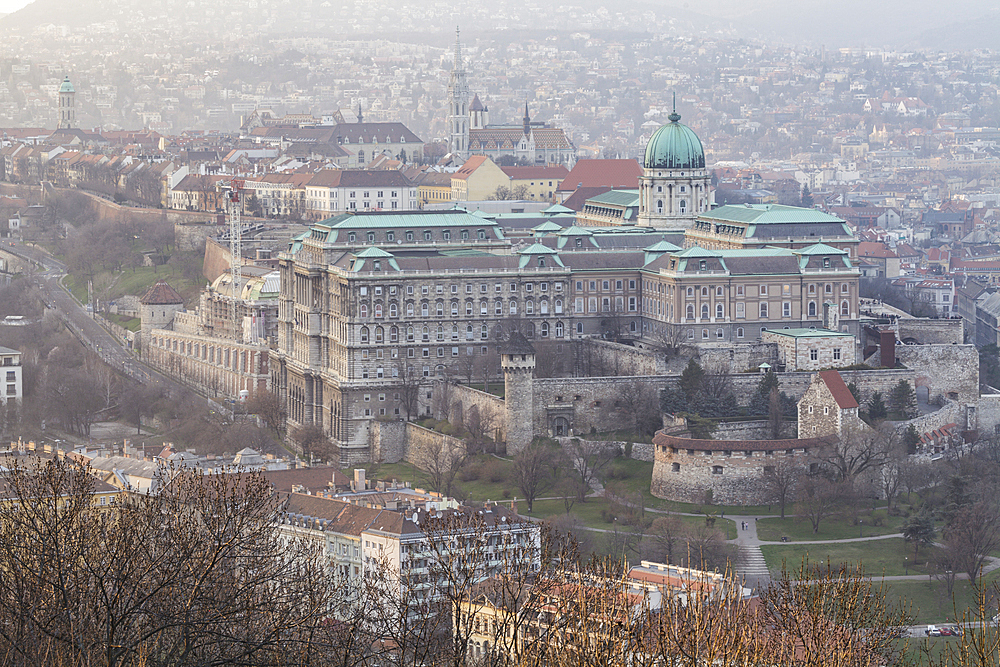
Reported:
(409, 334)
(440, 332)
(845, 309)
(484, 332)
(739, 332)
(704, 292)
(544, 329)
(440, 309)
(829, 288)
(454, 332)
(378, 310)
(513, 308)
(683, 206)
(364, 310)
(559, 306)
(484, 307)
(378, 334)
(498, 307)
(454, 308)
(812, 289)
(659, 206)
(543, 307)
(468, 332)
(529, 307)
(361, 157)
(719, 311)
(812, 309)
(690, 291)
(425, 333)
(718, 291)
(844, 289)
(690, 311)
(409, 310)
(393, 334)
(393, 310)
(424, 311)
(704, 311)
(364, 334)
(559, 329)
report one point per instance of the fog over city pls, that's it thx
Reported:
(381, 333)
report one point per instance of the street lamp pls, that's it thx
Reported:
(861, 527)
(906, 564)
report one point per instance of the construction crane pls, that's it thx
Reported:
(233, 204)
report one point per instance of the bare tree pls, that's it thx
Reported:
(821, 617)
(535, 471)
(442, 463)
(972, 535)
(820, 499)
(588, 458)
(409, 388)
(269, 407)
(639, 408)
(781, 482)
(858, 449)
(196, 574)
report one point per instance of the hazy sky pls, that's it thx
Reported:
(8, 6)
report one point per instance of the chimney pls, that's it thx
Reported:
(359, 479)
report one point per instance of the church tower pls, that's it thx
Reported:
(458, 105)
(67, 104)
(674, 186)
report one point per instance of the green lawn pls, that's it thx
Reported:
(929, 600)
(880, 557)
(135, 282)
(481, 489)
(130, 323)
(797, 529)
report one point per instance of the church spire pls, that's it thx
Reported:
(458, 50)
(674, 116)
(527, 119)
(361, 118)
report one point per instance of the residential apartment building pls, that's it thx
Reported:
(393, 544)
(331, 191)
(10, 366)
(374, 303)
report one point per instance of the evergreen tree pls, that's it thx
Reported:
(807, 198)
(903, 401)
(876, 408)
(919, 529)
(855, 392)
(691, 380)
(911, 438)
(760, 402)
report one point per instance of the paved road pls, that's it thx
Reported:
(74, 314)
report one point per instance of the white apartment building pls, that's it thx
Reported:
(333, 191)
(11, 362)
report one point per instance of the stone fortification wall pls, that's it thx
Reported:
(191, 235)
(425, 448)
(387, 440)
(217, 259)
(740, 357)
(601, 357)
(988, 415)
(750, 430)
(685, 470)
(589, 402)
(395, 441)
(951, 413)
(947, 371)
(926, 331)
(456, 403)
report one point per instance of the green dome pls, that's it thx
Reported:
(66, 86)
(674, 146)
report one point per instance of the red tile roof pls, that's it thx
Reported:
(845, 399)
(161, 293)
(610, 173)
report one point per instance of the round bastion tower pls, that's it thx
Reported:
(517, 359)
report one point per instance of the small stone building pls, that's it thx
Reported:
(827, 407)
(812, 349)
(158, 306)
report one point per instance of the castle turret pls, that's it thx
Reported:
(158, 307)
(517, 359)
(458, 105)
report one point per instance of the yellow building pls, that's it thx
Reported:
(433, 188)
(478, 178)
(538, 183)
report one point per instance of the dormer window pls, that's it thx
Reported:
(826, 262)
(351, 237)
(377, 265)
(541, 261)
(702, 265)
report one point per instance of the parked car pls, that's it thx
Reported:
(933, 631)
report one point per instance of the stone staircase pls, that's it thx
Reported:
(751, 564)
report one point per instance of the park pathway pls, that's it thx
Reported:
(750, 566)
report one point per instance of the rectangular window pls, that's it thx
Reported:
(836, 354)
(786, 309)
(813, 355)
(740, 309)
